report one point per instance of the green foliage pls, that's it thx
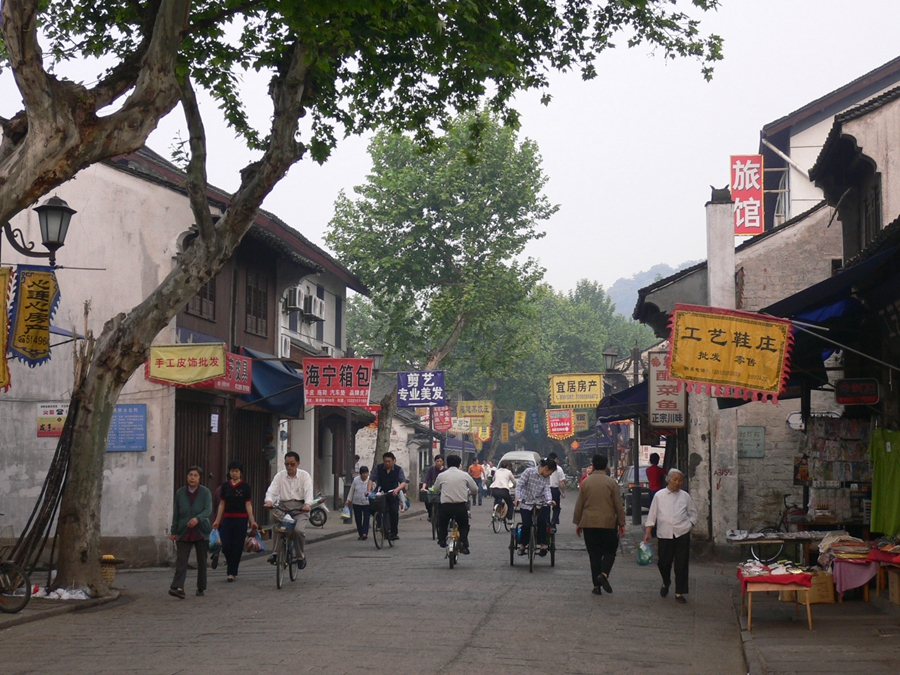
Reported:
(403, 64)
(438, 236)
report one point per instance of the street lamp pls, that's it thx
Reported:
(54, 216)
(377, 359)
(610, 356)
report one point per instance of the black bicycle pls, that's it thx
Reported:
(378, 506)
(769, 551)
(15, 586)
(532, 548)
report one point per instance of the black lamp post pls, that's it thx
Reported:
(610, 356)
(54, 216)
(377, 359)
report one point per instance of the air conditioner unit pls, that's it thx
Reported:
(327, 350)
(295, 300)
(314, 308)
(285, 347)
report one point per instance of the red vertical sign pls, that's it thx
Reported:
(747, 193)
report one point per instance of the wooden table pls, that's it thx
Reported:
(751, 585)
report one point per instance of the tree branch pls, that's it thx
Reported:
(196, 170)
(437, 356)
(18, 25)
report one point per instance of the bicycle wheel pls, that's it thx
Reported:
(552, 550)
(293, 564)
(378, 529)
(280, 558)
(495, 520)
(452, 543)
(532, 548)
(766, 553)
(15, 589)
(512, 548)
(434, 521)
(385, 534)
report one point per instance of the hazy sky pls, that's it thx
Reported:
(631, 154)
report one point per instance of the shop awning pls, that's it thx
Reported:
(276, 386)
(458, 445)
(626, 404)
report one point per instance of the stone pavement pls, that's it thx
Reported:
(356, 609)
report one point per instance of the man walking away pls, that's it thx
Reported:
(476, 471)
(455, 486)
(598, 511)
(557, 490)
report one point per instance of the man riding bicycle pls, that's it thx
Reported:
(293, 490)
(455, 487)
(532, 489)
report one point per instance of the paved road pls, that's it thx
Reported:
(400, 610)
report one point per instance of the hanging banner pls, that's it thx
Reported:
(504, 432)
(729, 353)
(186, 364)
(340, 382)
(667, 400)
(420, 388)
(747, 193)
(5, 276)
(519, 420)
(535, 423)
(581, 420)
(477, 443)
(460, 425)
(480, 413)
(34, 303)
(483, 433)
(559, 423)
(443, 420)
(576, 391)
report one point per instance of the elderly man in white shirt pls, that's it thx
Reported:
(293, 490)
(674, 514)
(557, 490)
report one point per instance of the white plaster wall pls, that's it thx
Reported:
(878, 135)
(805, 147)
(129, 228)
(403, 451)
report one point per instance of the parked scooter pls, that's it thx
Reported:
(318, 513)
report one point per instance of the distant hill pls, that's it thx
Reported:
(624, 293)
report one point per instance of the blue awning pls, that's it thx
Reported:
(275, 386)
(624, 405)
(458, 445)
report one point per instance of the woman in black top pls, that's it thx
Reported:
(234, 514)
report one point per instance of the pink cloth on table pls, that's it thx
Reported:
(853, 573)
(784, 579)
(883, 556)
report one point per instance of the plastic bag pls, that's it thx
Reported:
(345, 514)
(215, 541)
(254, 544)
(644, 554)
(406, 499)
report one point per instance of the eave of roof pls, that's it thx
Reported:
(884, 71)
(662, 283)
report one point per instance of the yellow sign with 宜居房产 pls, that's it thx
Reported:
(576, 391)
(729, 353)
(186, 364)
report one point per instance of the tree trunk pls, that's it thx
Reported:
(385, 425)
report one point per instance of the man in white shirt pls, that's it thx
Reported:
(455, 486)
(557, 490)
(293, 490)
(673, 513)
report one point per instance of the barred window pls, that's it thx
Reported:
(203, 304)
(257, 304)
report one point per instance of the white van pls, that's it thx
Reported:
(519, 460)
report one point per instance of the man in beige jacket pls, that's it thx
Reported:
(598, 511)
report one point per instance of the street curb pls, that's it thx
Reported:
(57, 611)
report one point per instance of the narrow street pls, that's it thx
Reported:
(356, 609)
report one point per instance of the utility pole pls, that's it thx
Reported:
(635, 448)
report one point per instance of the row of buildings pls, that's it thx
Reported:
(279, 299)
(828, 261)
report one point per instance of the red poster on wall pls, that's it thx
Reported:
(560, 423)
(443, 418)
(747, 193)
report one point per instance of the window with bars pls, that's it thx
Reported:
(257, 304)
(871, 213)
(203, 304)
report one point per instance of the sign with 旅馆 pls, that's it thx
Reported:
(576, 391)
(337, 382)
(729, 353)
(422, 388)
(747, 193)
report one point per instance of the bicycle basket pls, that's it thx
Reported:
(432, 498)
(378, 503)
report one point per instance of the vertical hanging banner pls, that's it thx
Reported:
(519, 420)
(728, 353)
(423, 388)
(483, 434)
(747, 193)
(443, 419)
(535, 423)
(5, 276)
(339, 382)
(504, 432)
(560, 423)
(667, 400)
(35, 301)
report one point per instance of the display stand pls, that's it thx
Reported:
(799, 583)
